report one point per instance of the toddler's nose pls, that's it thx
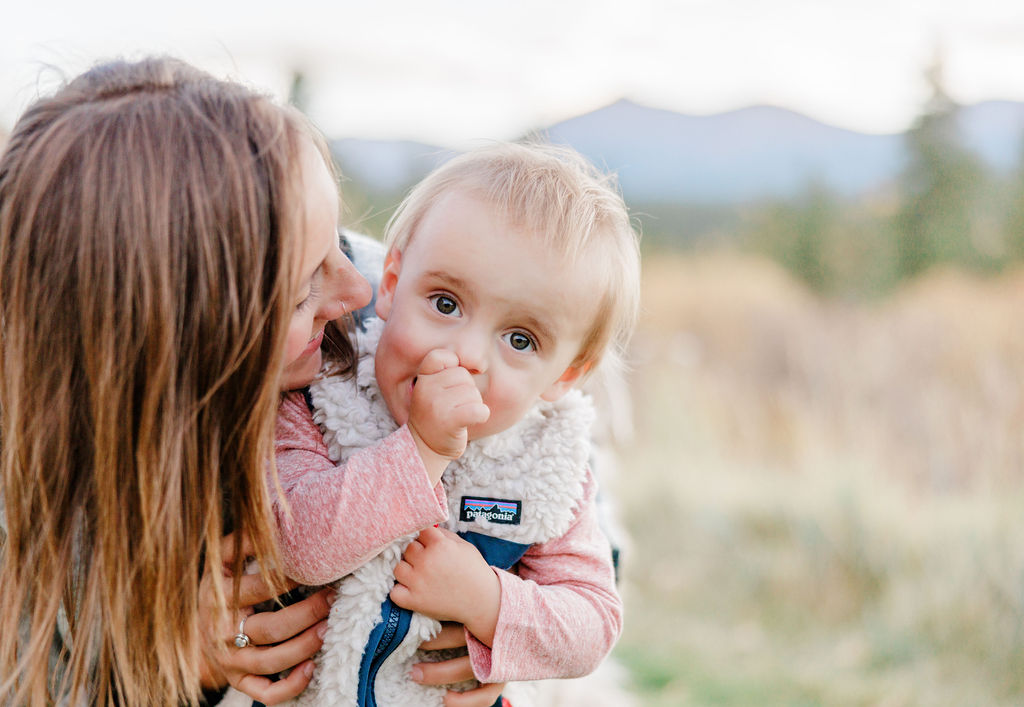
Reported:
(471, 349)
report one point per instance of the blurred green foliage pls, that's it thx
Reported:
(937, 219)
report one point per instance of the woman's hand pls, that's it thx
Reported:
(455, 670)
(279, 640)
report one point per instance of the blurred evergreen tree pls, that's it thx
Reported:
(800, 234)
(939, 187)
(808, 226)
(298, 90)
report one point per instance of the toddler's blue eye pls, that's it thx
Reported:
(445, 304)
(520, 341)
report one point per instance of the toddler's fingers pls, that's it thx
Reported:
(437, 361)
(451, 397)
(428, 536)
(412, 552)
(470, 413)
(401, 595)
(443, 533)
(403, 572)
(454, 384)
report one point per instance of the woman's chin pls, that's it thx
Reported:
(301, 372)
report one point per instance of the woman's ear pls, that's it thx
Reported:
(564, 384)
(388, 283)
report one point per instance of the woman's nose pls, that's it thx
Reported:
(355, 290)
(348, 290)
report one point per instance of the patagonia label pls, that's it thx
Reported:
(496, 510)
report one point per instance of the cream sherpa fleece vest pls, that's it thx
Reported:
(539, 465)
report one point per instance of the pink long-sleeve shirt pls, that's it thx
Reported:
(339, 516)
(560, 613)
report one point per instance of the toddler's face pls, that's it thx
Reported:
(513, 312)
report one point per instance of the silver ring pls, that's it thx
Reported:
(242, 640)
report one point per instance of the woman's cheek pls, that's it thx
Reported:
(296, 341)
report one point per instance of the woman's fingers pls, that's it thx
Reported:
(280, 640)
(271, 692)
(445, 672)
(272, 659)
(227, 547)
(268, 627)
(253, 590)
(483, 696)
(455, 670)
(452, 636)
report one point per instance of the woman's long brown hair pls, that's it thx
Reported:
(146, 273)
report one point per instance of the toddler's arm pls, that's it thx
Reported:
(561, 615)
(343, 515)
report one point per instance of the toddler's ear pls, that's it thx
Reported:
(564, 384)
(388, 283)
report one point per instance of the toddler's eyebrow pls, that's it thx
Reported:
(449, 279)
(539, 329)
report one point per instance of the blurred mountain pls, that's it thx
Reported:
(995, 131)
(728, 158)
(736, 156)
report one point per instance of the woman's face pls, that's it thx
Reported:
(329, 284)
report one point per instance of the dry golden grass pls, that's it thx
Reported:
(824, 496)
(927, 385)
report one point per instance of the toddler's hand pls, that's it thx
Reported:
(445, 577)
(445, 402)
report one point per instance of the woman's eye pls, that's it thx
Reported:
(314, 292)
(520, 341)
(445, 305)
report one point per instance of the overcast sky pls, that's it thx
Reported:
(452, 71)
